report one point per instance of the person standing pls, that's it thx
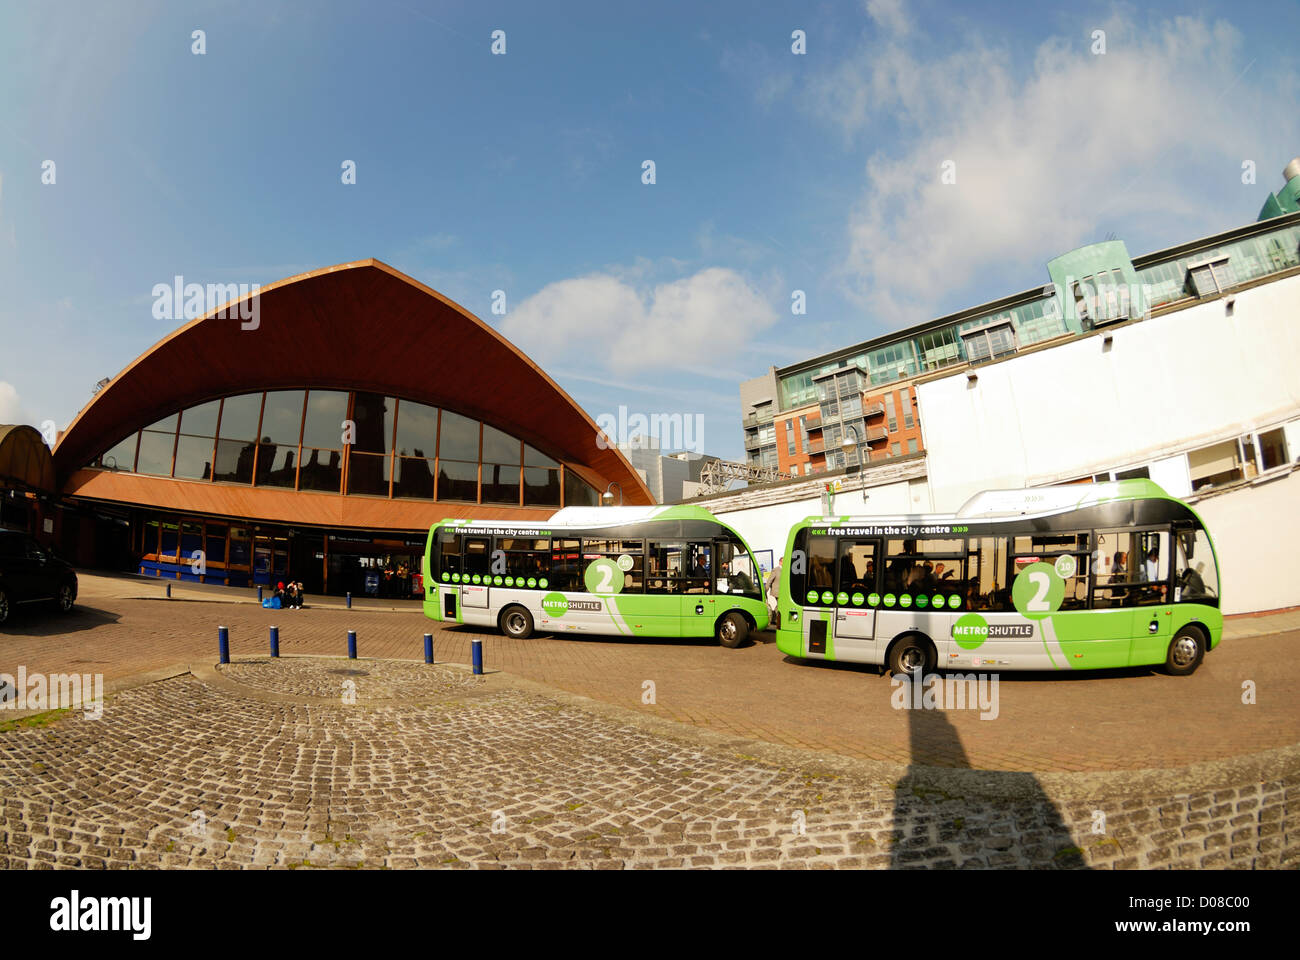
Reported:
(773, 585)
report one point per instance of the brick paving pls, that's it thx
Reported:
(1116, 720)
(270, 764)
(560, 757)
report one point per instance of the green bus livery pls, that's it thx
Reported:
(672, 571)
(1052, 578)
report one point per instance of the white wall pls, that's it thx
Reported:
(1255, 529)
(1173, 475)
(1166, 384)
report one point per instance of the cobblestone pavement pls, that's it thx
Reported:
(264, 763)
(1113, 720)
(361, 680)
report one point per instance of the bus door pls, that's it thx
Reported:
(476, 572)
(814, 591)
(1152, 597)
(854, 626)
(699, 601)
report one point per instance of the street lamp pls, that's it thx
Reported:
(848, 446)
(607, 498)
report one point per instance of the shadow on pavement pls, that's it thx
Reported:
(43, 620)
(939, 824)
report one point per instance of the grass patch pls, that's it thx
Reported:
(36, 721)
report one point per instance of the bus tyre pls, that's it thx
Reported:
(911, 656)
(1186, 651)
(732, 630)
(516, 623)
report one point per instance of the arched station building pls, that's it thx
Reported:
(235, 441)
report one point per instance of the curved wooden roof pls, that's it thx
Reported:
(25, 460)
(354, 326)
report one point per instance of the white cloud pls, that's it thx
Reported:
(602, 323)
(889, 15)
(11, 409)
(1048, 154)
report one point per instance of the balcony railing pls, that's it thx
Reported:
(870, 410)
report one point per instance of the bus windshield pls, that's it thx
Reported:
(737, 572)
(1197, 572)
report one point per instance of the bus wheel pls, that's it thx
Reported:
(1186, 651)
(732, 630)
(517, 623)
(911, 656)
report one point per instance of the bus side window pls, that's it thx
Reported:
(1151, 569)
(449, 554)
(566, 565)
(634, 577)
(526, 557)
(797, 566)
(700, 578)
(821, 562)
(476, 559)
(616, 550)
(664, 561)
(986, 588)
(902, 560)
(1125, 572)
(857, 566)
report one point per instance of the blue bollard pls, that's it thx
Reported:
(352, 644)
(476, 647)
(428, 648)
(275, 641)
(223, 644)
(169, 591)
(349, 600)
(259, 594)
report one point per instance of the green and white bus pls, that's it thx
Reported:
(1055, 578)
(635, 571)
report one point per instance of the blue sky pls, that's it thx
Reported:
(522, 172)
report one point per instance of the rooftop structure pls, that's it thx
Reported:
(868, 386)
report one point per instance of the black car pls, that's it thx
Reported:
(30, 573)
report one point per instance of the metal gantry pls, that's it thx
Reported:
(716, 475)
